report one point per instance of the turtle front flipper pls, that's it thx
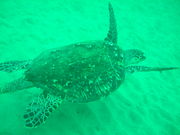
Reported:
(132, 69)
(11, 66)
(39, 110)
(112, 33)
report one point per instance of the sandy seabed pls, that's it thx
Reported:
(146, 103)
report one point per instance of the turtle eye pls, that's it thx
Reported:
(136, 59)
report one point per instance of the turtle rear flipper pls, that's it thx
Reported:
(16, 85)
(14, 65)
(132, 69)
(39, 110)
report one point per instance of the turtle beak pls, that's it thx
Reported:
(143, 57)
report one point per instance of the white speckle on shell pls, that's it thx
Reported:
(54, 81)
(89, 46)
(109, 43)
(67, 83)
(90, 81)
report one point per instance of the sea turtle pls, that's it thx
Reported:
(78, 73)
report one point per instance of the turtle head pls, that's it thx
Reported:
(133, 56)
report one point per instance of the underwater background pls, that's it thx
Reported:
(146, 104)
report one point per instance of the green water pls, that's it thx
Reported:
(146, 103)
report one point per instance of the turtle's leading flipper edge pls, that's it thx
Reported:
(11, 66)
(132, 69)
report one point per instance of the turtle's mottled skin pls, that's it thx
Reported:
(80, 72)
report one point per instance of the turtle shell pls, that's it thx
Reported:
(79, 72)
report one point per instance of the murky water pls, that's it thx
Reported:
(146, 104)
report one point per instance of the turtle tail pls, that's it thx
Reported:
(39, 110)
(11, 66)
